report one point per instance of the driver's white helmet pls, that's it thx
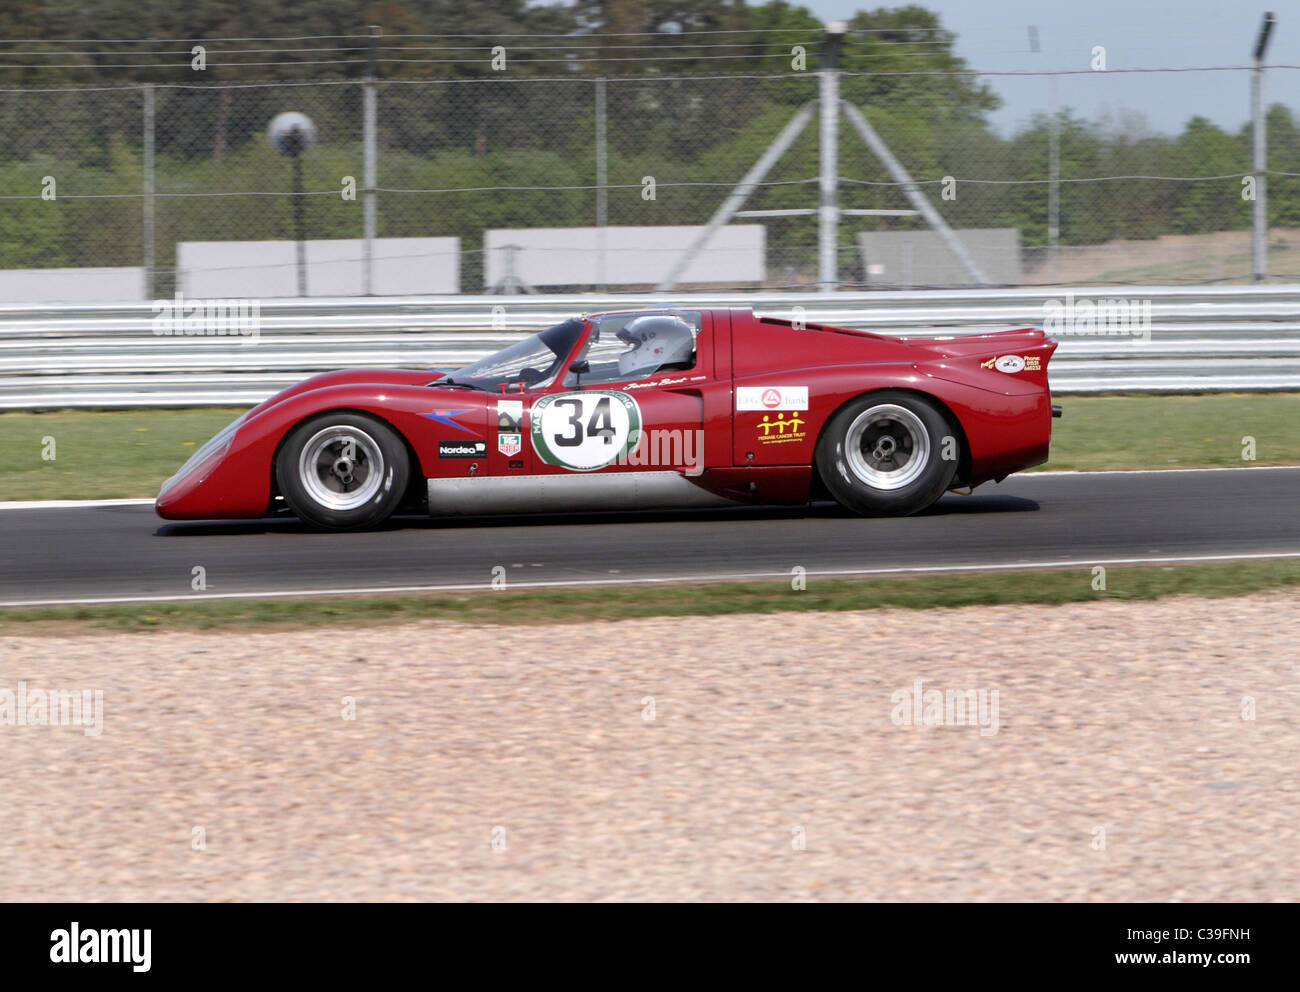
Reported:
(653, 341)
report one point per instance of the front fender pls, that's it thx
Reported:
(235, 482)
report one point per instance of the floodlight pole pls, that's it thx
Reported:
(1259, 222)
(291, 133)
(300, 222)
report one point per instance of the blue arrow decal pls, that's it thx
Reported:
(444, 417)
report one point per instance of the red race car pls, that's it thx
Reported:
(644, 409)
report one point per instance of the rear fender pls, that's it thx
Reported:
(1007, 362)
(1002, 432)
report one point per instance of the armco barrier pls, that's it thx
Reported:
(108, 355)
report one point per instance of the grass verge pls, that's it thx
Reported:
(546, 606)
(100, 454)
(1150, 432)
(107, 454)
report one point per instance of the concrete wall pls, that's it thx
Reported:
(632, 256)
(71, 285)
(904, 259)
(268, 269)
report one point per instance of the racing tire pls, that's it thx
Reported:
(883, 454)
(342, 471)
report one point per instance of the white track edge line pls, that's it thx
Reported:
(571, 583)
(70, 504)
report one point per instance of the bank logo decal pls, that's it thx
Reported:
(584, 430)
(771, 398)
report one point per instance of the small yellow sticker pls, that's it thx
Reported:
(782, 430)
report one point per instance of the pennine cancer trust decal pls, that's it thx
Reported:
(781, 429)
(585, 430)
(771, 398)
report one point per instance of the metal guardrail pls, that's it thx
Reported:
(107, 355)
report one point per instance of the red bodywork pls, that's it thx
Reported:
(1004, 417)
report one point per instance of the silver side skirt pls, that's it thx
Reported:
(567, 493)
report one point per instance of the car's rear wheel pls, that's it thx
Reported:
(889, 453)
(342, 471)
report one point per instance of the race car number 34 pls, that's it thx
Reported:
(585, 430)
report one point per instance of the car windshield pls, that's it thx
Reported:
(527, 364)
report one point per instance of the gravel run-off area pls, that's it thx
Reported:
(1142, 751)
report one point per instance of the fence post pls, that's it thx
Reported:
(602, 181)
(1259, 222)
(1053, 172)
(828, 211)
(1054, 188)
(370, 164)
(147, 233)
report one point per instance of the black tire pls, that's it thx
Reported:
(899, 467)
(332, 491)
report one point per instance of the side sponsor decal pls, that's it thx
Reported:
(1011, 364)
(510, 417)
(771, 398)
(584, 430)
(510, 414)
(665, 382)
(781, 430)
(462, 449)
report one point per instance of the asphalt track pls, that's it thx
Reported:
(51, 554)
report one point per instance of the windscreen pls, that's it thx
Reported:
(527, 364)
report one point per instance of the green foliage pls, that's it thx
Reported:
(1213, 205)
(456, 125)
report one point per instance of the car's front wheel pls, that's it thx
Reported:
(342, 471)
(889, 453)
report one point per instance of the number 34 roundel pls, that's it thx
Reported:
(585, 430)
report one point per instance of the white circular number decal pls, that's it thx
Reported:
(1010, 364)
(585, 430)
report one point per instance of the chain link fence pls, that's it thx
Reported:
(120, 176)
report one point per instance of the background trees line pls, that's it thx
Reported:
(447, 121)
